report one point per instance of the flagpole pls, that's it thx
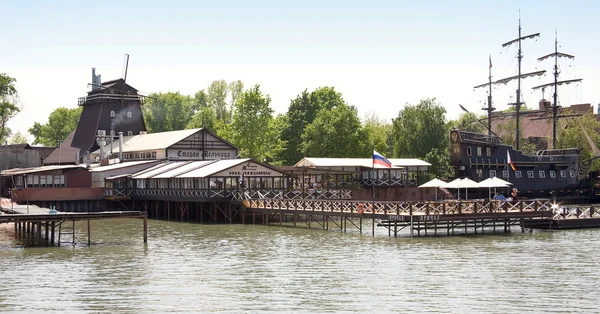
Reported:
(373, 193)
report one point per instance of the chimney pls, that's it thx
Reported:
(101, 144)
(120, 147)
(95, 80)
(545, 104)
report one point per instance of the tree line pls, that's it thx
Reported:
(318, 123)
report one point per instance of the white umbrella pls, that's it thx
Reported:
(468, 183)
(435, 183)
(454, 184)
(494, 182)
(462, 183)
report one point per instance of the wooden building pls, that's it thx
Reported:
(190, 144)
(109, 108)
(367, 181)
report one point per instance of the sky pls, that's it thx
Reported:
(380, 55)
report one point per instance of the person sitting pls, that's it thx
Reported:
(500, 197)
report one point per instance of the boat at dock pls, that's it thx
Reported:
(559, 173)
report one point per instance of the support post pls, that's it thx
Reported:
(89, 236)
(145, 227)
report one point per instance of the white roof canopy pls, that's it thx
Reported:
(314, 162)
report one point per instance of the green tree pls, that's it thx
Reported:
(469, 123)
(379, 134)
(216, 96)
(167, 112)
(61, 122)
(301, 112)
(252, 127)
(571, 135)
(18, 138)
(9, 106)
(205, 117)
(336, 133)
(420, 130)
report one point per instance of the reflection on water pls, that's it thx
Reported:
(235, 268)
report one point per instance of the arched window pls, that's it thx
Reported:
(128, 114)
(129, 133)
(112, 114)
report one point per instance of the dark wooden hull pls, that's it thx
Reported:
(558, 173)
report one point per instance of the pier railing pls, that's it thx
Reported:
(576, 212)
(400, 208)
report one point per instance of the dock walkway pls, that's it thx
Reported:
(29, 220)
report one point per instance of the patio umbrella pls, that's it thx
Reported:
(454, 184)
(462, 183)
(468, 184)
(494, 182)
(435, 183)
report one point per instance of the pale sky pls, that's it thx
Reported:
(379, 54)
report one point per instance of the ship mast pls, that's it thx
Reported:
(489, 107)
(519, 76)
(556, 82)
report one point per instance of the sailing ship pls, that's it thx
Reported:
(547, 172)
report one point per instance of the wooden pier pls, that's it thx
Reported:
(422, 218)
(569, 217)
(43, 226)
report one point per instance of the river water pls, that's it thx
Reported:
(191, 268)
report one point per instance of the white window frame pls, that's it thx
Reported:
(552, 174)
(492, 173)
(542, 174)
(518, 174)
(530, 174)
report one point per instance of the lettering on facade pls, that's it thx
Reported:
(249, 173)
(196, 154)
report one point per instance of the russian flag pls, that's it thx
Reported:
(510, 162)
(378, 159)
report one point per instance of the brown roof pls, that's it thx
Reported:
(65, 154)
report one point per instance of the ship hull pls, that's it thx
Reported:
(551, 173)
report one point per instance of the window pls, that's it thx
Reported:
(112, 114)
(505, 173)
(128, 114)
(492, 173)
(542, 174)
(571, 173)
(563, 174)
(479, 173)
(552, 174)
(129, 133)
(518, 174)
(478, 151)
(530, 174)
(488, 151)
(468, 150)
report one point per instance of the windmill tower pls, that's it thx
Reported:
(109, 108)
